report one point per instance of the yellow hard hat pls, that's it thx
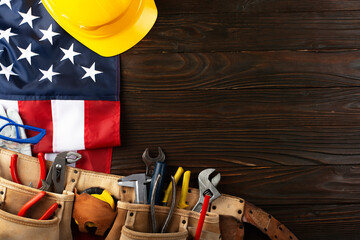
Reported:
(108, 27)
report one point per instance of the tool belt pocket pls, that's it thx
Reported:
(135, 223)
(128, 234)
(20, 214)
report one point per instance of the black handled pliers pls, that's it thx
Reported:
(56, 175)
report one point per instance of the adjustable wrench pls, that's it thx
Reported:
(207, 187)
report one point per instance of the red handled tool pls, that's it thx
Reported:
(42, 162)
(13, 167)
(202, 217)
(14, 172)
(33, 201)
(49, 212)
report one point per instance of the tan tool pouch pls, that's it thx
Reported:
(232, 210)
(134, 220)
(13, 196)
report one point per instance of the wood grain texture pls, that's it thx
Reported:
(246, 127)
(240, 70)
(273, 185)
(219, 32)
(254, 6)
(243, 109)
(266, 92)
(230, 148)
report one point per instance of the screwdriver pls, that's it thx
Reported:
(160, 168)
(184, 190)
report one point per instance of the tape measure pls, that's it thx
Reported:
(103, 195)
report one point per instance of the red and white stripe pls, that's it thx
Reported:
(71, 124)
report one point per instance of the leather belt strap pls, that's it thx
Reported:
(266, 223)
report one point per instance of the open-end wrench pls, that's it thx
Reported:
(151, 162)
(207, 187)
(154, 167)
(138, 182)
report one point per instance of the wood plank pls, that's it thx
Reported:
(240, 32)
(314, 222)
(254, 6)
(243, 109)
(249, 127)
(240, 70)
(272, 185)
(230, 148)
(266, 92)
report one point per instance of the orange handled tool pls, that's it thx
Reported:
(33, 201)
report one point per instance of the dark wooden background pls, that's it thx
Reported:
(265, 91)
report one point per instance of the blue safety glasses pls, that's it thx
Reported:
(31, 140)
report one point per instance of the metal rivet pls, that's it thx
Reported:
(269, 216)
(73, 180)
(239, 211)
(275, 236)
(251, 212)
(241, 226)
(75, 171)
(214, 207)
(280, 228)
(183, 221)
(59, 205)
(241, 200)
(124, 191)
(1, 192)
(189, 190)
(131, 214)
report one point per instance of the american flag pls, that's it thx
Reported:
(55, 82)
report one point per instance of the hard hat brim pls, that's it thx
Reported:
(121, 34)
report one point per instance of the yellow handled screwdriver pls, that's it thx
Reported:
(184, 190)
(168, 191)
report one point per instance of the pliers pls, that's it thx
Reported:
(34, 200)
(56, 175)
(14, 172)
(152, 205)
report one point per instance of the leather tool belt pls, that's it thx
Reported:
(224, 219)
